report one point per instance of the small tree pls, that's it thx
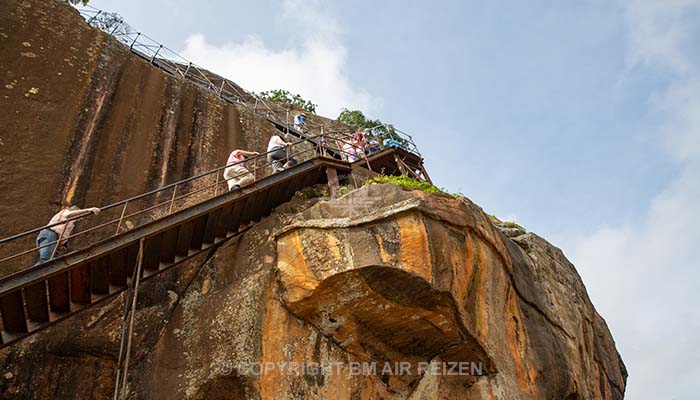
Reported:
(377, 128)
(284, 96)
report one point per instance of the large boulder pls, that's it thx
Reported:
(318, 299)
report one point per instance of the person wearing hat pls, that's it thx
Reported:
(299, 121)
(47, 239)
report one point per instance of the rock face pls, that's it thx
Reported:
(383, 276)
(380, 276)
(89, 123)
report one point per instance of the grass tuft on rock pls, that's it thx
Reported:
(505, 224)
(406, 182)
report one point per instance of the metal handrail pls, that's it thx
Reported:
(140, 196)
(326, 142)
(127, 35)
(254, 161)
(134, 39)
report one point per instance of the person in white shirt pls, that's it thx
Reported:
(277, 154)
(48, 237)
(236, 174)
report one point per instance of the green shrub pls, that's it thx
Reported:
(284, 96)
(312, 192)
(343, 190)
(505, 224)
(510, 224)
(406, 182)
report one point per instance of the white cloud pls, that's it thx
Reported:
(314, 66)
(657, 34)
(682, 131)
(643, 277)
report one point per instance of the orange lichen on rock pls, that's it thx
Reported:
(415, 251)
(299, 280)
(381, 275)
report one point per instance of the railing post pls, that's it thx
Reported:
(425, 174)
(390, 133)
(156, 53)
(333, 184)
(189, 65)
(399, 163)
(221, 89)
(322, 143)
(128, 329)
(369, 166)
(121, 217)
(134, 42)
(117, 27)
(94, 17)
(58, 243)
(172, 201)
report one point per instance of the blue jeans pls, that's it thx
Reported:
(44, 237)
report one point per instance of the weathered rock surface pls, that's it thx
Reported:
(89, 123)
(380, 275)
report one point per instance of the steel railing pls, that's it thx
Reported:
(168, 60)
(127, 214)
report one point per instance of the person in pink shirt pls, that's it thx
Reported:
(48, 237)
(236, 174)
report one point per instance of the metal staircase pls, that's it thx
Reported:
(42, 295)
(195, 213)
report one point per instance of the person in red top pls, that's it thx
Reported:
(48, 237)
(236, 174)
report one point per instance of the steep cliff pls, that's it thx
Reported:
(380, 276)
(84, 121)
(384, 276)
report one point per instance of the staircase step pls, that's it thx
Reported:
(37, 302)
(80, 290)
(99, 275)
(151, 252)
(200, 225)
(117, 267)
(58, 293)
(184, 238)
(12, 309)
(211, 228)
(169, 245)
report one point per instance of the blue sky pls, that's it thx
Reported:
(580, 120)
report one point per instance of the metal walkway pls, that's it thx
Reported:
(37, 297)
(174, 64)
(190, 215)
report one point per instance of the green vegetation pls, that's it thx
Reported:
(380, 130)
(505, 224)
(357, 119)
(406, 182)
(510, 224)
(343, 190)
(313, 192)
(284, 96)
